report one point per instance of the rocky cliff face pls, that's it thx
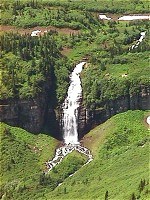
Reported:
(28, 114)
(33, 114)
(89, 119)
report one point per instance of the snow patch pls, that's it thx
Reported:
(34, 33)
(104, 17)
(134, 17)
(124, 75)
(148, 120)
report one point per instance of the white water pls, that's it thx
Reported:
(139, 41)
(61, 152)
(71, 106)
(70, 119)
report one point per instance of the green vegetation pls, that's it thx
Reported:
(120, 166)
(23, 157)
(32, 66)
(121, 157)
(35, 66)
(28, 16)
(30, 13)
(69, 165)
(113, 70)
(39, 66)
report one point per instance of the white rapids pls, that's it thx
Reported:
(70, 121)
(61, 152)
(139, 41)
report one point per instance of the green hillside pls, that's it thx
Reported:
(121, 157)
(23, 157)
(36, 70)
(120, 165)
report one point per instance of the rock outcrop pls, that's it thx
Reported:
(90, 118)
(25, 113)
(34, 114)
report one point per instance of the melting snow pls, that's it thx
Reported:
(124, 75)
(148, 120)
(34, 33)
(104, 17)
(134, 17)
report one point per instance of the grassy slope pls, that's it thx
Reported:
(22, 161)
(120, 149)
(121, 171)
(130, 6)
(22, 158)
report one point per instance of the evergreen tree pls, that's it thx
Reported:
(133, 197)
(106, 195)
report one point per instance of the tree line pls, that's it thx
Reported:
(32, 66)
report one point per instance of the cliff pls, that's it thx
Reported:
(90, 118)
(31, 114)
(26, 113)
(34, 114)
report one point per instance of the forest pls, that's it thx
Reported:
(33, 68)
(32, 65)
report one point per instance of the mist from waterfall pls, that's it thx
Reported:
(71, 105)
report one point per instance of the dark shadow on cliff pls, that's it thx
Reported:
(51, 123)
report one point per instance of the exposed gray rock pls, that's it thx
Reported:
(90, 118)
(27, 114)
(33, 114)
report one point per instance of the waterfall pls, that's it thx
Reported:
(70, 122)
(139, 41)
(71, 105)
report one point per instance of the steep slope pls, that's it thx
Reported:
(22, 159)
(120, 147)
(119, 169)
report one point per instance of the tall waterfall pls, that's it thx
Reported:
(70, 120)
(71, 106)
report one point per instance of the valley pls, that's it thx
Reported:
(69, 132)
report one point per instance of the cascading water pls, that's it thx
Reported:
(70, 121)
(71, 106)
(138, 41)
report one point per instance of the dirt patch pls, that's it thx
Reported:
(64, 31)
(66, 51)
